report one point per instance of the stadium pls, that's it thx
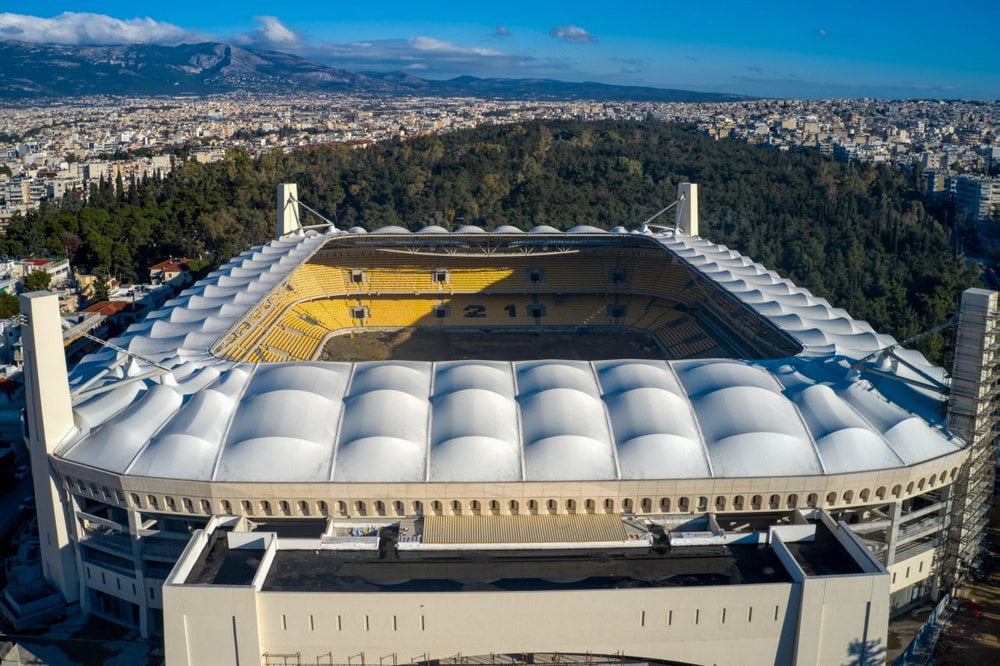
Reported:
(565, 397)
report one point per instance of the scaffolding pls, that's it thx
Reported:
(973, 413)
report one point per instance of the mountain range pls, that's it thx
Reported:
(29, 70)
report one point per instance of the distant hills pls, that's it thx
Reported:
(30, 70)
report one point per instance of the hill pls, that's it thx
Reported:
(854, 233)
(40, 70)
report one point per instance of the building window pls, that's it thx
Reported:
(227, 507)
(456, 507)
(665, 504)
(513, 507)
(206, 506)
(188, 504)
(380, 507)
(285, 509)
(247, 507)
(265, 507)
(418, 508)
(322, 507)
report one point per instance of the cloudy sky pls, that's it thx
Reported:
(784, 49)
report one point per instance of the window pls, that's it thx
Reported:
(135, 500)
(494, 506)
(206, 506)
(665, 504)
(774, 502)
(247, 507)
(512, 506)
(570, 506)
(285, 509)
(617, 311)
(590, 505)
(265, 507)
(551, 506)
(831, 498)
(703, 504)
(418, 508)
(532, 506)
(647, 505)
(793, 501)
(153, 502)
(456, 507)
(380, 507)
(436, 507)
(342, 507)
(756, 501)
(609, 505)
(360, 508)
(171, 504)
(303, 507)
(738, 502)
(683, 504)
(880, 493)
(322, 507)
(397, 507)
(812, 500)
(227, 507)
(627, 504)
(848, 496)
(188, 504)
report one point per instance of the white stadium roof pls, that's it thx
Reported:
(391, 421)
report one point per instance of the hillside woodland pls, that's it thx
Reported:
(854, 233)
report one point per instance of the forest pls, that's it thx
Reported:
(856, 234)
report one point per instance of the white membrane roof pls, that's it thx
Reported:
(487, 421)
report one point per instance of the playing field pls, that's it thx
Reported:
(420, 344)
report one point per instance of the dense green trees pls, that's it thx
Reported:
(856, 234)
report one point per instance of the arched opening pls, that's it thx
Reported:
(570, 506)
(512, 507)
(379, 507)
(933, 479)
(848, 496)
(342, 507)
(774, 502)
(494, 507)
(227, 507)
(247, 507)
(285, 509)
(921, 483)
(154, 503)
(792, 501)
(720, 503)
(474, 507)
(627, 505)
(360, 508)
(880, 493)
(831, 498)
(665, 504)
(456, 507)
(265, 507)
(738, 502)
(436, 508)
(865, 494)
(551, 506)
(590, 505)
(647, 505)
(322, 507)
(398, 508)
(206, 506)
(683, 504)
(756, 502)
(909, 488)
(418, 508)
(532, 506)
(609, 505)
(135, 500)
(703, 504)
(811, 500)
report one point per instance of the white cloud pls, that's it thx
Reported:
(271, 33)
(502, 31)
(87, 28)
(573, 34)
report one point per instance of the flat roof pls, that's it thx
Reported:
(481, 570)
(524, 528)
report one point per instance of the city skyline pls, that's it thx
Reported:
(787, 51)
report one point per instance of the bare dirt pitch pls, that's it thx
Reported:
(421, 344)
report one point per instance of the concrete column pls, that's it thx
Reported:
(288, 209)
(687, 208)
(892, 533)
(49, 421)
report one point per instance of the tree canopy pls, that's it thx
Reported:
(855, 233)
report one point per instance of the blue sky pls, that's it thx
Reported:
(782, 49)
